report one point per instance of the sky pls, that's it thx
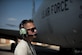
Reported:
(12, 12)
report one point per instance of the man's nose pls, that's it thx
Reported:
(35, 31)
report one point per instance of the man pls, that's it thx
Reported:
(29, 32)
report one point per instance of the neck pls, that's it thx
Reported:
(27, 40)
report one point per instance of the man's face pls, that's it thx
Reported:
(30, 28)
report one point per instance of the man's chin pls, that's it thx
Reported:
(34, 36)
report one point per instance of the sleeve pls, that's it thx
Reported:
(22, 51)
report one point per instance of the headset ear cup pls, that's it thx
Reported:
(23, 32)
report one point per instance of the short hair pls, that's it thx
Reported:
(21, 25)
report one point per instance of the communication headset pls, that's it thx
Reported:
(22, 31)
